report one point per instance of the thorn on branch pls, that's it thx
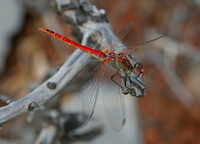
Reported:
(58, 68)
(51, 85)
(33, 106)
(6, 99)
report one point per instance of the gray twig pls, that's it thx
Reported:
(85, 18)
(166, 63)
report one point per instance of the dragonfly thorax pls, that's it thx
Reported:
(121, 62)
(118, 61)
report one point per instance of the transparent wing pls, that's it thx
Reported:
(120, 34)
(130, 48)
(113, 43)
(123, 31)
(90, 92)
(113, 101)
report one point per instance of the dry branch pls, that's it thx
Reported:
(166, 63)
(86, 19)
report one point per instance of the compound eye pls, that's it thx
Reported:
(142, 73)
(137, 71)
(139, 65)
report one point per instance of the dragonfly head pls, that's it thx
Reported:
(134, 80)
(137, 71)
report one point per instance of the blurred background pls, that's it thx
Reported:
(169, 113)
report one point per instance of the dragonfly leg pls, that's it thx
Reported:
(128, 90)
(125, 87)
(142, 86)
(112, 78)
(138, 89)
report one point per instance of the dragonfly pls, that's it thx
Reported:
(125, 76)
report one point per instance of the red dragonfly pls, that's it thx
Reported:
(126, 77)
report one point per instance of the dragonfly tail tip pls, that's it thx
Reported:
(41, 29)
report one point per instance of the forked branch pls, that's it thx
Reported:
(85, 18)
